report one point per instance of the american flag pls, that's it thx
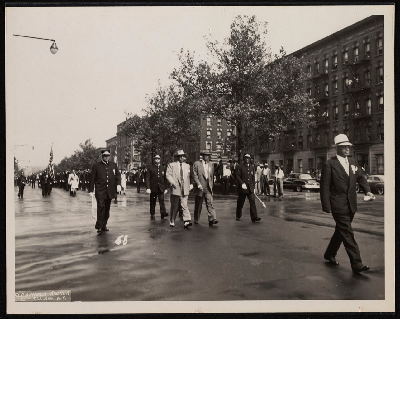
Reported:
(51, 166)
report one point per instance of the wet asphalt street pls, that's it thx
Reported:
(277, 259)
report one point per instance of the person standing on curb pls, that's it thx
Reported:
(156, 186)
(245, 175)
(178, 175)
(265, 177)
(203, 175)
(105, 181)
(339, 197)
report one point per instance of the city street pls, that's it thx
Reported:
(280, 258)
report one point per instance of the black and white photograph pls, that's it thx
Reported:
(209, 159)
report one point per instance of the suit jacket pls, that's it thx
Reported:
(245, 173)
(104, 179)
(337, 189)
(199, 178)
(173, 176)
(156, 180)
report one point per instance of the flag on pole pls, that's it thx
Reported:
(51, 166)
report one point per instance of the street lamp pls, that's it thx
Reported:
(53, 47)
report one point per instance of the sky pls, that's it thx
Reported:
(111, 58)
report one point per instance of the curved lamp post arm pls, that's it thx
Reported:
(53, 47)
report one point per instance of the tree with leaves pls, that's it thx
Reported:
(82, 159)
(260, 94)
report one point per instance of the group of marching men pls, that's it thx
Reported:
(338, 192)
(180, 178)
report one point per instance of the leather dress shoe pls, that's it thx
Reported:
(256, 219)
(105, 229)
(186, 224)
(152, 216)
(237, 219)
(99, 231)
(196, 222)
(211, 223)
(331, 260)
(164, 215)
(359, 268)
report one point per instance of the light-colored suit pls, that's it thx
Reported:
(200, 179)
(181, 192)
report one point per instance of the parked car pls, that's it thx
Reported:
(373, 181)
(301, 182)
(288, 181)
(380, 187)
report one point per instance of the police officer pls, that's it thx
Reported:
(245, 175)
(105, 180)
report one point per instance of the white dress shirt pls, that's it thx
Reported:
(345, 163)
(205, 166)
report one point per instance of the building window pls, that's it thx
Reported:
(380, 102)
(356, 58)
(219, 133)
(335, 112)
(316, 90)
(310, 164)
(208, 121)
(357, 108)
(300, 143)
(228, 133)
(379, 164)
(326, 89)
(326, 65)
(208, 133)
(316, 66)
(379, 73)
(218, 145)
(368, 106)
(334, 85)
(346, 108)
(346, 84)
(300, 163)
(367, 48)
(334, 61)
(309, 70)
(379, 44)
(367, 77)
(380, 130)
(309, 141)
(309, 92)
(209, 145)
(219, 122)
(345, 55)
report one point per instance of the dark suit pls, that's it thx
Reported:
(157, 183)
(245, 173)
(338, 195)
(21, 182)
(104, 179)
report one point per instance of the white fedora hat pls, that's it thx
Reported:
(342, 140)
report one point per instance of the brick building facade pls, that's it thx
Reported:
(346, 78)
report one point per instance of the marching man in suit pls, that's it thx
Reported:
(156, 186)
(105, 180)
(338, 196)
(245, 175)
(178, 175)
(203, 175)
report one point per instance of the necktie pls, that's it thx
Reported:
(181, 173)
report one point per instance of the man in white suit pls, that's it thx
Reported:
(203, 175)
(178, 175)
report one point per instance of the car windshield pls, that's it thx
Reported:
(305, 176)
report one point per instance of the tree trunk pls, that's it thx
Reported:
(239, 140)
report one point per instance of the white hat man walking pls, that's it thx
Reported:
(338, 196)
